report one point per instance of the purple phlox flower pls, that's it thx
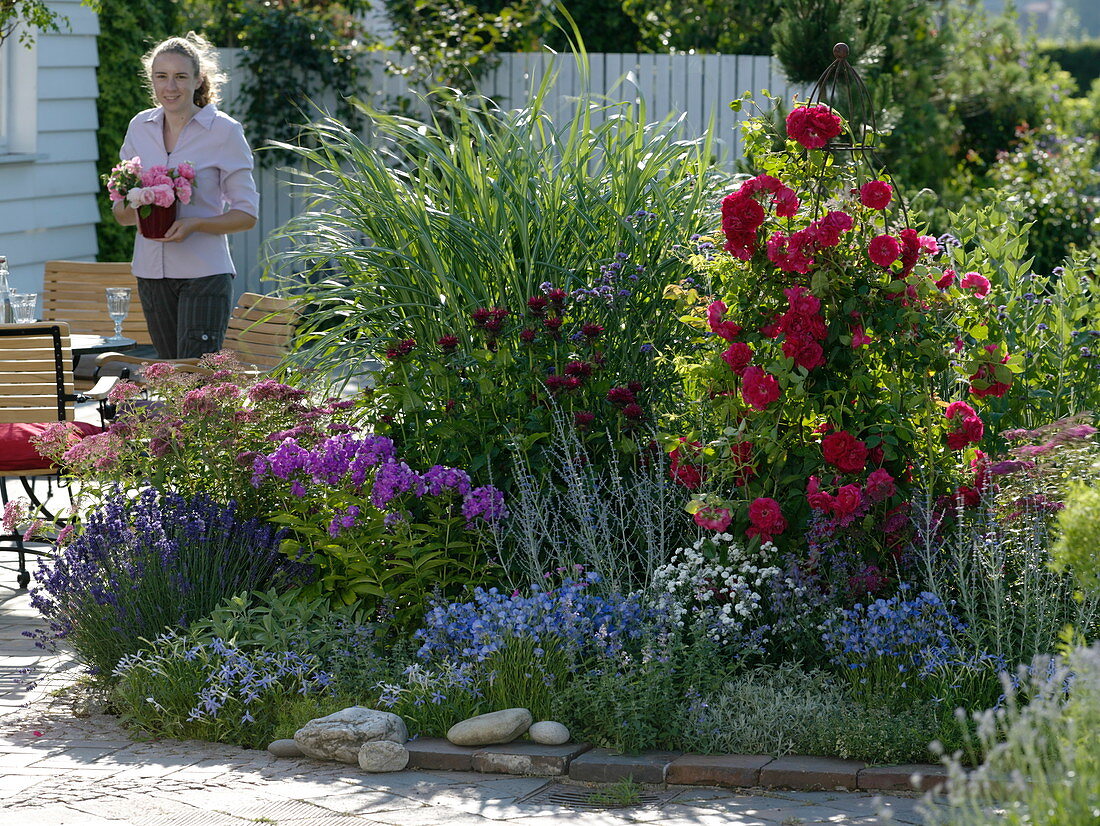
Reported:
(485, 503)
(439, 478)
(392, 479)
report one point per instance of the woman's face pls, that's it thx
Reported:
(175, 82)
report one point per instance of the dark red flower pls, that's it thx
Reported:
(813, 126)
(536, 305)
(738, 356)
(527, 335)
(634, 387)
(557, 298)
(553, 326)
(583, 418)
(401, 349)
(592, 331)
(480, 316)
(806, 352)
(633, 411)
(884, 250)
(620, 396)
(573, 382)
(578, 368)
(555, 383)
(682, 469)
(744, 469)
(448, 343)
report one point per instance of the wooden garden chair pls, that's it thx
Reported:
(259, 333)
(75, 292)
(36, 377)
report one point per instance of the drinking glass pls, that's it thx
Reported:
(118, 307)
(24, 307)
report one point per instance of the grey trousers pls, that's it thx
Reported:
(187, 317)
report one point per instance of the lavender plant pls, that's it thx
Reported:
(138, 565)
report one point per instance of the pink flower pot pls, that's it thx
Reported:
(156, 223)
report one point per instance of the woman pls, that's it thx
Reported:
(185, 278)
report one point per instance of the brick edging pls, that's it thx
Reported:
(581, 762)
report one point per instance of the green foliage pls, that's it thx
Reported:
(449, 45)
(1048, 321)
(127, 29)
(1079, 537)
(701, 26)
(33, 15)
(1081, 59)
(636, 700)
(295, 55)
(807, 29)
(789, 709)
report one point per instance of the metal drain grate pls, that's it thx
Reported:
(584, 797)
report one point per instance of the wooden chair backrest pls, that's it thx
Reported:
(260, 328)
(73, 291)
(29, 365)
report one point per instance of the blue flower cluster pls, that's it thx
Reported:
(917, 633)
(569, 615)
(238, 680)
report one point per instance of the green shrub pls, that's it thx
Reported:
(1080, 58)
(1079, 537)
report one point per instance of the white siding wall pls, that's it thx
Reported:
(47, 202)
(698, 86)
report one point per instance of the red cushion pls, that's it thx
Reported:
(16, 450)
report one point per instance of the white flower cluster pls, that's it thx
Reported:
(717, 595)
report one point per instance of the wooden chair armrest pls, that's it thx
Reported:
(106, 358)
(101, 388)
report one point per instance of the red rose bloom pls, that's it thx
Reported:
(818, 499)
(724, 329)
(813, 126)
(713, 518)
(847, 501)
(801, 302)
(682, 471)
(844, 451)
(947, 280)
(737, 356)
(766, 518)
(876, 194)
(759, 388)
(884, 250)
(880, 485)
(806, 352)
(976, 282)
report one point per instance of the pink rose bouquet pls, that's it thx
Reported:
(145, 188)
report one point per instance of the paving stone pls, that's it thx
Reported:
(811, 773)
(729, 770)
(527, 758)
(607, 766)
(438, 753)
(900, 778)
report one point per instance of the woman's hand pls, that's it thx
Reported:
(180, 229)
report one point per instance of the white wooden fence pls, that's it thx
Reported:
(698, 86)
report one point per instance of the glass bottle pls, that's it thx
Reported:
(6, 316)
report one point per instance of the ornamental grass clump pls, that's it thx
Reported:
(139, 565)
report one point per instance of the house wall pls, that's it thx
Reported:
(48, 187)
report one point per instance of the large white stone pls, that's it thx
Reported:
(339, 736)
(548, 733)
(383, 756)
(494, 727)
